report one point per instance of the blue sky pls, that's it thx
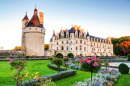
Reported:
(102, 18)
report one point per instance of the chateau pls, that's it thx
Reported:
(76, 41)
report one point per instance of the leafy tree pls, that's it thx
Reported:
(46, 46)
(58, 62)
(59, 55)
(70, 55)
(117, 49)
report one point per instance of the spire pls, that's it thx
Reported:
(26, 17)
(54, 33)
(35, 11)
(87, 33)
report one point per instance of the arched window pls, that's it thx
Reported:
(62, 48)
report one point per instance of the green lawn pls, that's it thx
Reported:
(124, 80)
(80, 76)
(32, 65)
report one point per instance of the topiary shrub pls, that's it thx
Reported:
(51, 59)
(70, 55)
(58, 62)
(123, 68)
(59, 55)
(27, 57)
(128, 59)
(128, 56)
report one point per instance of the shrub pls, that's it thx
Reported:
(70, 55)
(27, 57)
(91, 64)
(123, 68)
(128, 56)
(66, 59)
(54, 77)
(51, 59)
(59, 55)
(128, 59)
(54, 67)
(58, 62)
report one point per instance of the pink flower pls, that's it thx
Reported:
(98, 59)
(13, 59)
(95, 64)
(94, 57)
(25, 68)
(85, 60)
(89, 58)
(8, 62)
(81, 60)
(89, 61)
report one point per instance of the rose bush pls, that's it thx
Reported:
(90, 64)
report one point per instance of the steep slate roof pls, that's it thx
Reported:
(34, 22)
(72, 30)
(25, 17)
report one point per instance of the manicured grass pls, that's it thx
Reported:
(124, 80)
(80, 76)
(32, 65)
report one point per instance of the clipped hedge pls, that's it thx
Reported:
(54, 67)
(55, 76)
(123, 68)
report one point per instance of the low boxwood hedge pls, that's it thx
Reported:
(55, 76)
(54, 67)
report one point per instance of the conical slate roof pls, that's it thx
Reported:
(25, 17)
(34, 22)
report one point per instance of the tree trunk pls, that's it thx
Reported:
(106, 69)
(58, 68)
(91, 76)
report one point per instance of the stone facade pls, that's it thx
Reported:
(76, 41)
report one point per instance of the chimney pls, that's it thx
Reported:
(41, 18)
(75, 26)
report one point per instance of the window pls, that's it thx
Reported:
(57, 43)
(91, 44)
(57, 48)
(71, 36)
(80, 41)
(35, 28)
(76, 48)
(94, 44)
(29, 28)
(67, 48)
(41, 30)
(66, 42)
(71, 48)
(100, 45)
(84, 42)
(80, 47)
(67, 36)
(62, 42)
(76, 36)
(62, 48)
(76, 41)
(85, 48)
(71, 41)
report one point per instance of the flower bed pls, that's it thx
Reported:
(102, 78)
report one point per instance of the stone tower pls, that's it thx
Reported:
(33, 34)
